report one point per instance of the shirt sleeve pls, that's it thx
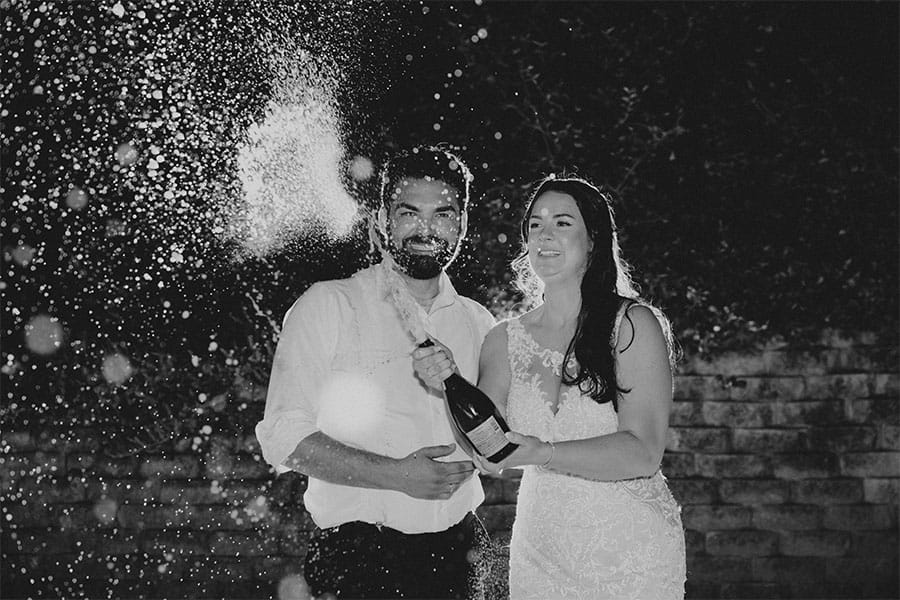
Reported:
(302, 359)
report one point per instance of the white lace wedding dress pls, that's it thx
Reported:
(574, 538)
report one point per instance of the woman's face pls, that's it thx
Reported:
(558, 241)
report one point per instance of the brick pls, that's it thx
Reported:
(787, 517)
(236, 544)
(693, 491)
(25, 514)
(882, 491)
(843, 438)
(695, 542)
(80, 461)
(842, 590)
(178, 467)
(177, 542)
(815, 543)
(84, 515)
(155, 516)
(694, 588)
(236, 466)
(712, 517)
(764, 441)
(700, 387)
(32, 464)
(754, 491)
(192, 492)
(805, 413)
(686, 413)
(770, 591)
(875, 410)
(45, 489)
(111, 542)
(678, 465)
(493, 490)
(44, 541)
(846, 569)
(875, 543)
(804, 362)
(854, 385)
(122, 490)
(746, 542)
(887, 384)
(827, 491)
(859, 517)
(702, 439)
(888, 437)
(497, 517)
(726, 466)
(805, 466)
(767, 388)
(787, 569)
(871, 464)
(17, 441)
(243, 491)
(116, 467)
(231, 571)
(718, 569)
(861, 359)
(737, 414)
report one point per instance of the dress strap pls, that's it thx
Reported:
(517, 346)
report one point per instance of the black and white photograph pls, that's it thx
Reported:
(482, 300)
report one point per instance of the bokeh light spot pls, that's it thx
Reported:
(43, 334)
(117, 368)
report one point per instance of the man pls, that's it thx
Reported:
(391, 494)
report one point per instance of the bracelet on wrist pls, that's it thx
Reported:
(549, 460)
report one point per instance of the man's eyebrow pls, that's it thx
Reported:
(447, 208)
(407, 206)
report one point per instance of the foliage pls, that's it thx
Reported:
(751, 148)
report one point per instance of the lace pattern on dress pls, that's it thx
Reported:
(576, 538)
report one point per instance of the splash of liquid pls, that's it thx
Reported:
(290, 163)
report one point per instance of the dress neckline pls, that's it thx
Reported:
(550, 358)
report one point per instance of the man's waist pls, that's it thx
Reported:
(331, 505)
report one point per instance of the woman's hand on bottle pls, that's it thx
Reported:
(433, 364)
(531, 451)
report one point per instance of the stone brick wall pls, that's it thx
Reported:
(786, 462)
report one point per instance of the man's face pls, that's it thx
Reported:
(424, 226)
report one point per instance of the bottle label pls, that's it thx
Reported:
(488, 438)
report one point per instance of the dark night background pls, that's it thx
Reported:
(752, 150)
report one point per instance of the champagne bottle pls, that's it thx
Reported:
(476, 417)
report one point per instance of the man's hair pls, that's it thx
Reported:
(426, 162)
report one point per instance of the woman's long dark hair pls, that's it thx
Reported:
(605, 285)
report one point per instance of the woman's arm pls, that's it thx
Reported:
(493, 368)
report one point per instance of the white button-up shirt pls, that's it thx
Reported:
(343, 366)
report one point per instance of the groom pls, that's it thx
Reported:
(390, 493)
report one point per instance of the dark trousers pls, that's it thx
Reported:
(360, 560)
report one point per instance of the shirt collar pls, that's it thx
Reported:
(446, 295)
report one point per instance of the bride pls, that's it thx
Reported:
(585, 383)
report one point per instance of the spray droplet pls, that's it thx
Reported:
(43, 335)
(76, 199)
(117, 368)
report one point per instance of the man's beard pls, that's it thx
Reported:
(422, 266)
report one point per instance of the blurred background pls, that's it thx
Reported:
(175, 174)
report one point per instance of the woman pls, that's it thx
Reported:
(585, 383)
